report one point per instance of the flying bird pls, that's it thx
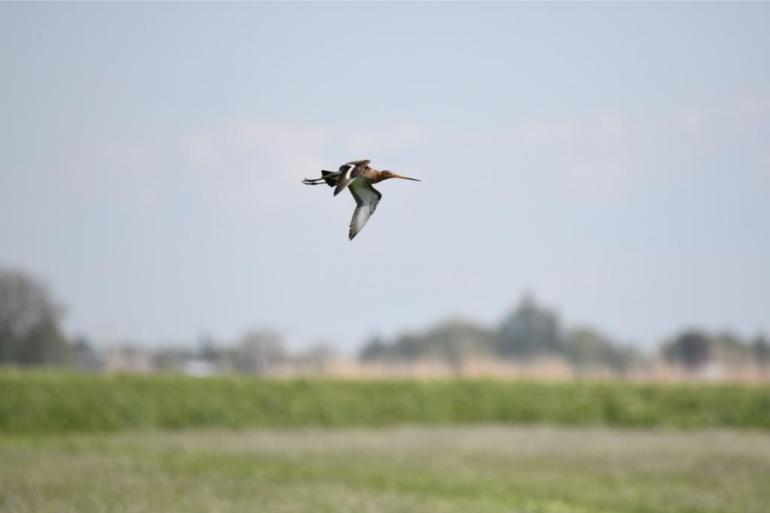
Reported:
(357, 176)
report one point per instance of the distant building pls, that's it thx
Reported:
(128, 359)
(199, 368)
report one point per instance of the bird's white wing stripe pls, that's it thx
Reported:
(344, 179)
(360, 217)
(367, 199)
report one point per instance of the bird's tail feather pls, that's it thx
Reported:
(331, 181)
(327, 177)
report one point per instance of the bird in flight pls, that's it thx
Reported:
(358, 176)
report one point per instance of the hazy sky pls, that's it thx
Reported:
(612, 158)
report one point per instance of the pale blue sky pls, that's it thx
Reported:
(612, 158)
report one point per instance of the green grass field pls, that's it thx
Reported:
(93, 444)
(422, 469)
(57, 402)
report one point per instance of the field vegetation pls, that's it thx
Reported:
(425, 469)
(62, 402)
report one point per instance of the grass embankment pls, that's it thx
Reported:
(56, 402)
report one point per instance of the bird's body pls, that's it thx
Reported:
(357, 176)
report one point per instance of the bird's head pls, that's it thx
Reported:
(390, 174)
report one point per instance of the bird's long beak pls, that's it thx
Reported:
(405, 178)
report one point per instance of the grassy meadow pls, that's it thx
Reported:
(136, 444)
(60, 402)
(481, 469)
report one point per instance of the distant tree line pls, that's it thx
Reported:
(529, 333)
(31, 335)
(533, 332)
(694, 349)
(259, 352)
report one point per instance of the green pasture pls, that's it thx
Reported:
(86, 443)
(417, 469)
(61, 402)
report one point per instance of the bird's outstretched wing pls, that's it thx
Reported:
(348, 172)
(358, 163)
(367, 198)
